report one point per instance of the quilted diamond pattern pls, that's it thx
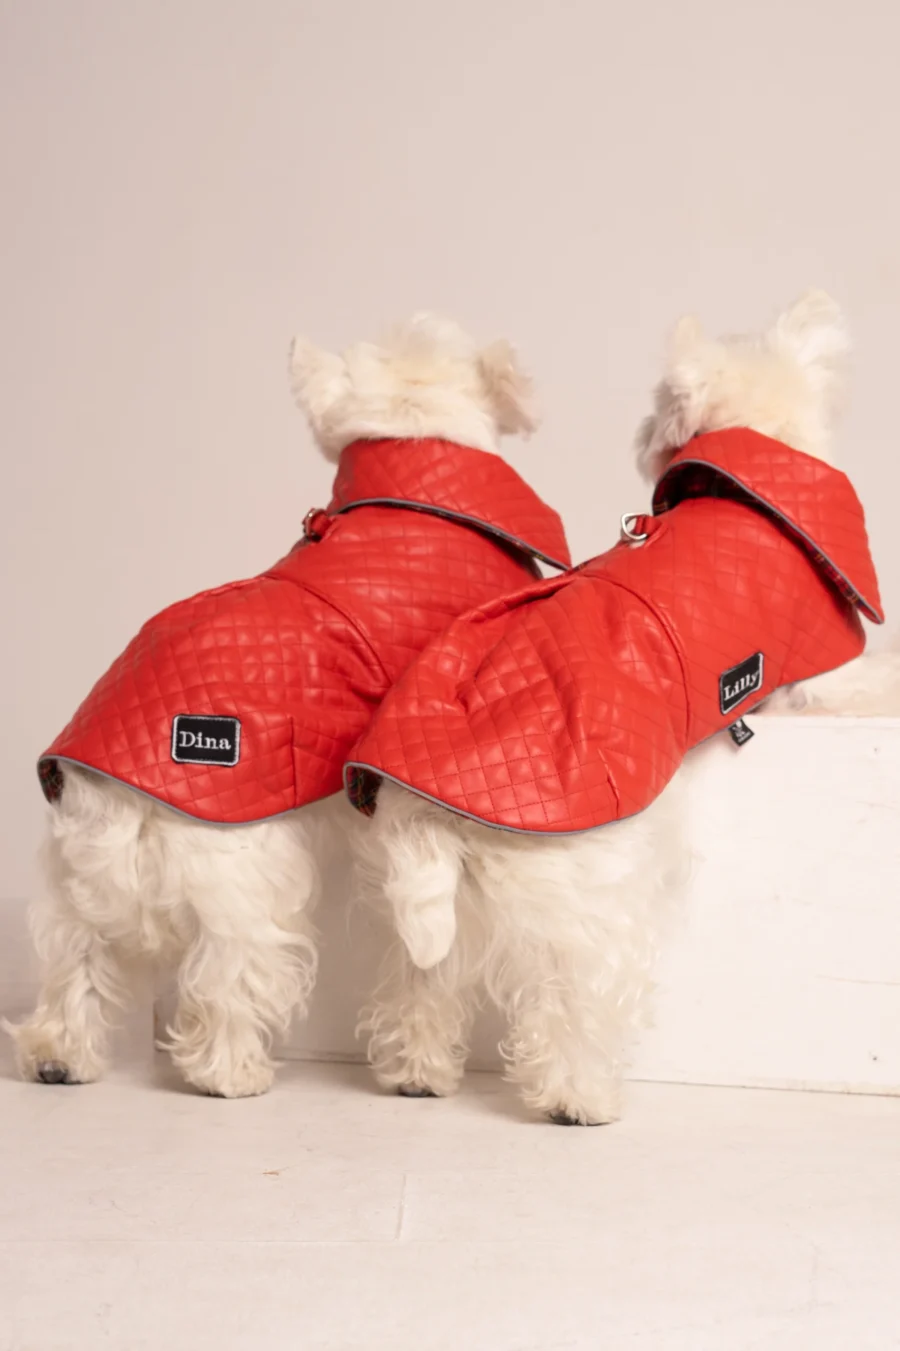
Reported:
(812, 500)
(466, 484)
(572, 703)
(304, 653)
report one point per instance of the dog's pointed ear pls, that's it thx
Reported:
(813, 330)
(692, 361)
(509, 389)
(686, 341)
(318, 380)
(651, 457)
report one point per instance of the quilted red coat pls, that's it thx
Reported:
(573, 702)
(244, 701)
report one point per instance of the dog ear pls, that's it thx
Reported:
(651, 457)
(686, 341)
(814, 332)
(318, 380)
(510, 390)
(680, 398)
(692, 362)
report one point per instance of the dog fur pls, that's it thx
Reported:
(563, 932)
(231, 910)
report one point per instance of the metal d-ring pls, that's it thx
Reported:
(633, 536)
(312, 530)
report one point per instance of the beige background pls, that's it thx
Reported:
(186, 184)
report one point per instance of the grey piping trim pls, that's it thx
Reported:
(457, 811)
(867, 608)
(179, 811)
(484, 526)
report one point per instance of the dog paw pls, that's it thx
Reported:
(416, 1091)
(45, 1057)
(567, 1119)
(54, 1072)
(245, 1081)
(594, 1109)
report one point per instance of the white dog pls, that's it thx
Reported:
(231, 908)
(562, 931)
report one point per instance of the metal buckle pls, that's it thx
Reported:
(633, 536)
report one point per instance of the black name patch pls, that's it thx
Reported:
(198, 739)
(740, 682)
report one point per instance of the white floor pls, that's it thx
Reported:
(135, 1215)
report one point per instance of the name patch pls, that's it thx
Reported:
(199, 739)
(738, 683)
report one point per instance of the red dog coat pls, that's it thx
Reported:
(573, 702)
(244, 701)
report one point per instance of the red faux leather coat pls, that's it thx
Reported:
(244, 701)
(573, 702)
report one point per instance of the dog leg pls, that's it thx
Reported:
(65, 1041)
(575, 925)
(409, 867)
(93, 863)
(418, 1025)
(564, 1048)
(252, 960)
(233, 996)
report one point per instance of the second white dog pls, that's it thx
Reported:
(563, 932)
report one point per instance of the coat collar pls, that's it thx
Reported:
(456, 482)
(812, 501)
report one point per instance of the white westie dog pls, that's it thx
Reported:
(562, 931)
(189, 791)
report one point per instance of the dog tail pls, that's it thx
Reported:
(420, 866)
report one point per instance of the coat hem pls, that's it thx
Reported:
(47, 761)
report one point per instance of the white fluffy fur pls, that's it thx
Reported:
(786, 383)
(563, 932)
(562, 935)
(867, 687)
(132, 883)
(425, 378)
